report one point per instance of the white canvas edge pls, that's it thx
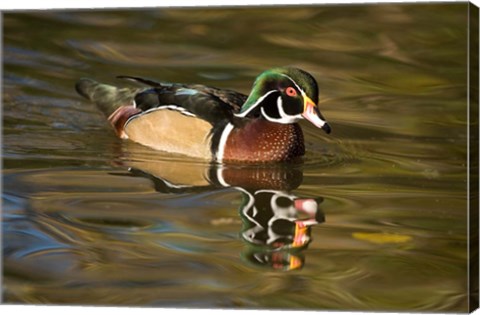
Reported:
(6, 6)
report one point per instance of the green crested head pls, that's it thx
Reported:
(284, 95)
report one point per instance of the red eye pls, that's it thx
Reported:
(291, 91)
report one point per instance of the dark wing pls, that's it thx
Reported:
(234, 99)
(208, 103)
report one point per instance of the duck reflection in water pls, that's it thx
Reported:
(276, 224)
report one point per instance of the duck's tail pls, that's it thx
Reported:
(108, 98)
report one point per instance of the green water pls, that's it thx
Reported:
(91, 219)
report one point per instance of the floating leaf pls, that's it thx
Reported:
(382, 238)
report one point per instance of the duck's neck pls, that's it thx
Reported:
(259, 140)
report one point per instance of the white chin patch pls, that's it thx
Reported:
(284, 117)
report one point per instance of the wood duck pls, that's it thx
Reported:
(214, 124)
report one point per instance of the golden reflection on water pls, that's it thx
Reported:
(114, 230)
(90, 219)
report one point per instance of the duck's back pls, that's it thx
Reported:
(175, 118)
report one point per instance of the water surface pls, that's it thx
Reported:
(91, 219)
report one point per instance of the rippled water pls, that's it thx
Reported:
(374, 218)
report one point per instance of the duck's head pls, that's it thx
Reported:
(285, 95)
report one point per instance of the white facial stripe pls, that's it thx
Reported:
(298, 87)
(291, 118)
(223, 140)
(284, 117)
(256, 104)
(268, 117)
(280, 107)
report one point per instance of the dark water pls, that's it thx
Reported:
(373, 219)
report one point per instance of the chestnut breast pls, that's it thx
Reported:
(263, 141)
